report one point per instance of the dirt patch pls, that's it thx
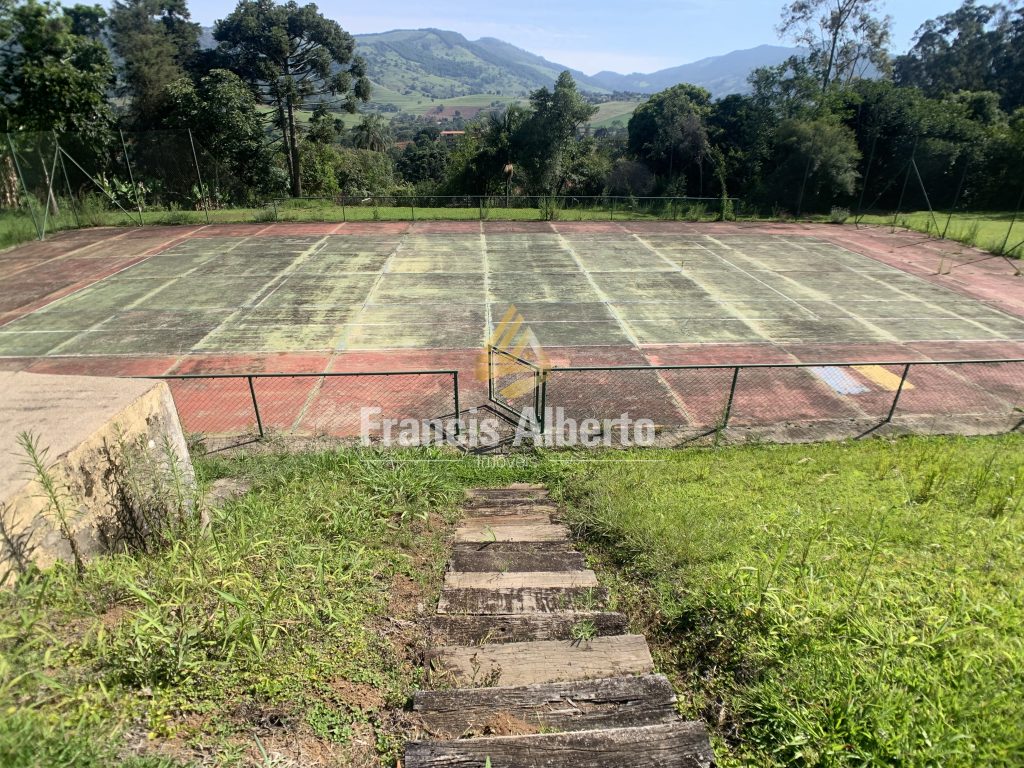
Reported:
(357, 695)
(406, 597)
(226, 489)
(504, 724)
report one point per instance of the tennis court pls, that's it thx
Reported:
(384, 296)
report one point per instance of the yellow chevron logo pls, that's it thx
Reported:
(513, 337)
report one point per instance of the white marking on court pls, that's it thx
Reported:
(605, 299)
(488, 319)
(752, 277)
(132, 305)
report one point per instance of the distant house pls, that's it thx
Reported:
(451, 136)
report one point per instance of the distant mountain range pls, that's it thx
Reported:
(411, 65)
(439, 64)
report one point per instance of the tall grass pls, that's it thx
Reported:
(849, 604)
(274, 612)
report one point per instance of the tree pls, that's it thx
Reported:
(372, 133)
(970, 49)
(668, 132)
(842, 35)
(293, 58)
(545, 138)
(221, 112)
(155, 40)
(425, 159)
(52, 79)
(815, 164)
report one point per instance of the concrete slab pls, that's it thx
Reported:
(85, 428)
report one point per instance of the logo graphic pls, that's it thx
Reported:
(516, 354)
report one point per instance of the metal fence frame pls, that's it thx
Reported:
(249, 378)
(548, 206)
(539, 384)
(548, 374)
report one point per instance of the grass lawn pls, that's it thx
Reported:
(18, 227)
(838, 604)
(284, 630)
(981, 230)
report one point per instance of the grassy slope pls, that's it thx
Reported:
(857, 603)
(285, 620)
(843, 604)
(613, 111)
(983, 230)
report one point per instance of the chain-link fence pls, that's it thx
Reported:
(396, 207)
(514, 384)
(399, 407)
(798, 401)
(59, 181)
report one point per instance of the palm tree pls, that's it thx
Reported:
(372, 133)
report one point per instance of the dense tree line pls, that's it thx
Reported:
(845, 125)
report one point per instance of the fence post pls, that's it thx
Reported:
(611, 214)
(24, 186)
(67, 181)
(50, 199)
(458, 412)
(202, 192)
(480, 201)
(255, 406)
(899, 391)
(131, 177)
(490, 373)
(732, 394)
(542, 401)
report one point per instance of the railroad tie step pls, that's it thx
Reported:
(470, 629)
(608, 702)
(503, 602)
(507, 507)
(541, 661)
(532, 673)
(481, 533)
(516, 557)
(670, 745)
(519, 579)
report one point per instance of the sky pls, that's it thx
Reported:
(591, 35)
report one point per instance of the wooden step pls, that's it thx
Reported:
(513, 532)
(542, 661)
(488, 507)
(555, 625)
(528, 557)
(515, 489)
(497, 521)
(502, 602)
(609, 702)
(674, 745)
(519, 579)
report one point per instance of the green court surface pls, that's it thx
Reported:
(233, 292)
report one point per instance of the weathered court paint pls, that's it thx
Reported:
(883, 378)
(840, 381)
(385, 296)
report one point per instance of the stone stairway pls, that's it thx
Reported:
(529, 670)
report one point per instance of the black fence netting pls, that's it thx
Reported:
(397, 407)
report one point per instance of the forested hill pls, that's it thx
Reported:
(442, 64)
(721, 75)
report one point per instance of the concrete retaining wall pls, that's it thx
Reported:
(108, 443)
